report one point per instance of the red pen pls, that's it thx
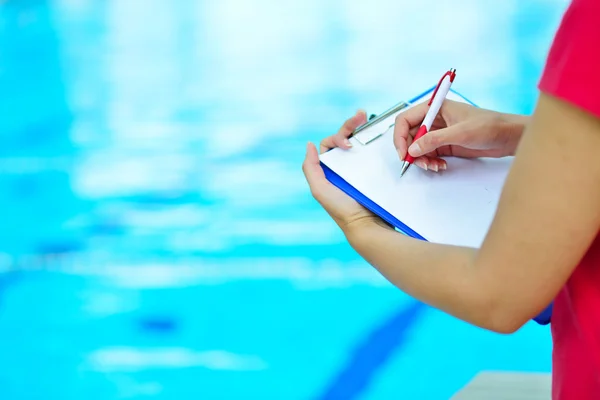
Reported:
(435, 103)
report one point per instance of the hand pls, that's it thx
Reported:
(344, 210)
(340, 139)
(459, 130)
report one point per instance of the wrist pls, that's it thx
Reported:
(513, 126)
(358, 229)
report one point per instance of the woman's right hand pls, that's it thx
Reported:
(459, 130)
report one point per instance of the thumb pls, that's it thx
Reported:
(432, 140)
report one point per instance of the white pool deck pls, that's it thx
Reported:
(490, 385)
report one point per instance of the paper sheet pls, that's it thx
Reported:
(455, 206)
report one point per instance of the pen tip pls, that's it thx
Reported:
(404, 168)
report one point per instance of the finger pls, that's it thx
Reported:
(340, 139)
(442, 151)
(352, 123)
(454, 135)
(413, 132)
(428, 163)
(402, 147)
(312, 170)
(326, 144)
(439, 164)
(422, 162)
(405, 121)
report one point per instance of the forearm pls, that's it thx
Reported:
(442, 276)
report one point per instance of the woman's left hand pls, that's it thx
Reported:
(344, 210)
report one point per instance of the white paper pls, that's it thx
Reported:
(455, 206)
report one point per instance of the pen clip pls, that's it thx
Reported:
(452, 74)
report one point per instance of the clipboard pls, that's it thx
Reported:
(372, 131)
(366, 134)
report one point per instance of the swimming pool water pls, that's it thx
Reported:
(158, 239)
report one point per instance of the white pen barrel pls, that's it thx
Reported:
(436, 104)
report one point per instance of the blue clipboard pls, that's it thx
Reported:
(542, 319)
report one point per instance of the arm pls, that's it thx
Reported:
(547, 217)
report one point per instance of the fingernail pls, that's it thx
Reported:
(434, 167)
(421, 164)
(347, 143)
(443, 166)
(415, 149)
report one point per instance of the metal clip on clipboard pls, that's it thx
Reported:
(364, 135)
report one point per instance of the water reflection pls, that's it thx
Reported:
(36, 153)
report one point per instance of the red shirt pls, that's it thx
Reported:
(572, 73)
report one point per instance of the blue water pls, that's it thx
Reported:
(158, 239)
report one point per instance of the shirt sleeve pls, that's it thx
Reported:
(572, 70)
